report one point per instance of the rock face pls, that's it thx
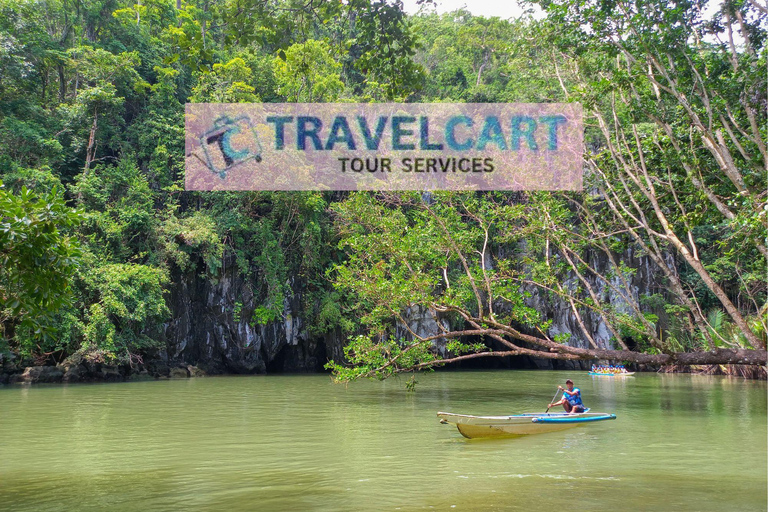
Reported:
(211, 327)
(210, 332)
(643, 282)
(646, 280)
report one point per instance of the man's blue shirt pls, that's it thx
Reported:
(574, 399)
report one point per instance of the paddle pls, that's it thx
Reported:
(553, 399)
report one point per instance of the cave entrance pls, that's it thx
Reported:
(277, 364)
(321, 356)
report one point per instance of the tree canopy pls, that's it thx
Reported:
(91, 155)
(676, 175)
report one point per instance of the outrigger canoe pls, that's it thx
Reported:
(625, 374)
(519, 424)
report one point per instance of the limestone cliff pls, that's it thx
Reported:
(212, 324)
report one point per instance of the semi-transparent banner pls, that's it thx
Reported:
(384, 146)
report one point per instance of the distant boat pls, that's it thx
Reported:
(519, 424)
(606, 374)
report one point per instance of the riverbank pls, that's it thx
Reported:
(85, 370)
(745, 371)
(81, 369)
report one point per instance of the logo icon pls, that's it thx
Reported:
(231, 142)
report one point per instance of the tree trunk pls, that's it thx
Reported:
(486, 55)
(90, 152)
(717, 356)
(62, 83)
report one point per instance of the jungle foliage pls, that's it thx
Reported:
(96, 228)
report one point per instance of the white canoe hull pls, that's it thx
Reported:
(518, 425)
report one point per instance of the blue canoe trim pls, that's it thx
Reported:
(548, 414)
(575, 419)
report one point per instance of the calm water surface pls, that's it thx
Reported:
(300, 443)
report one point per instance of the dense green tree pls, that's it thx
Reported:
(682, 120)
(91, 102)
(677, 169)
(38, 256)
(439, 257)
(306, 73)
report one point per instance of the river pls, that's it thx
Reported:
(301, 443)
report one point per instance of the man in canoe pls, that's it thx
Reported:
(571, 400)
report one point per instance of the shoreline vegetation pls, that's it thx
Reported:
(108, 266)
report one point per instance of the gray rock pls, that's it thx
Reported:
(111, 374)
(194, 371)
(74, 373)
(39, 374)
(179, 373)
(143, 375)
(160, 370)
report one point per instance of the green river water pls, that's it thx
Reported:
(301, 443)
